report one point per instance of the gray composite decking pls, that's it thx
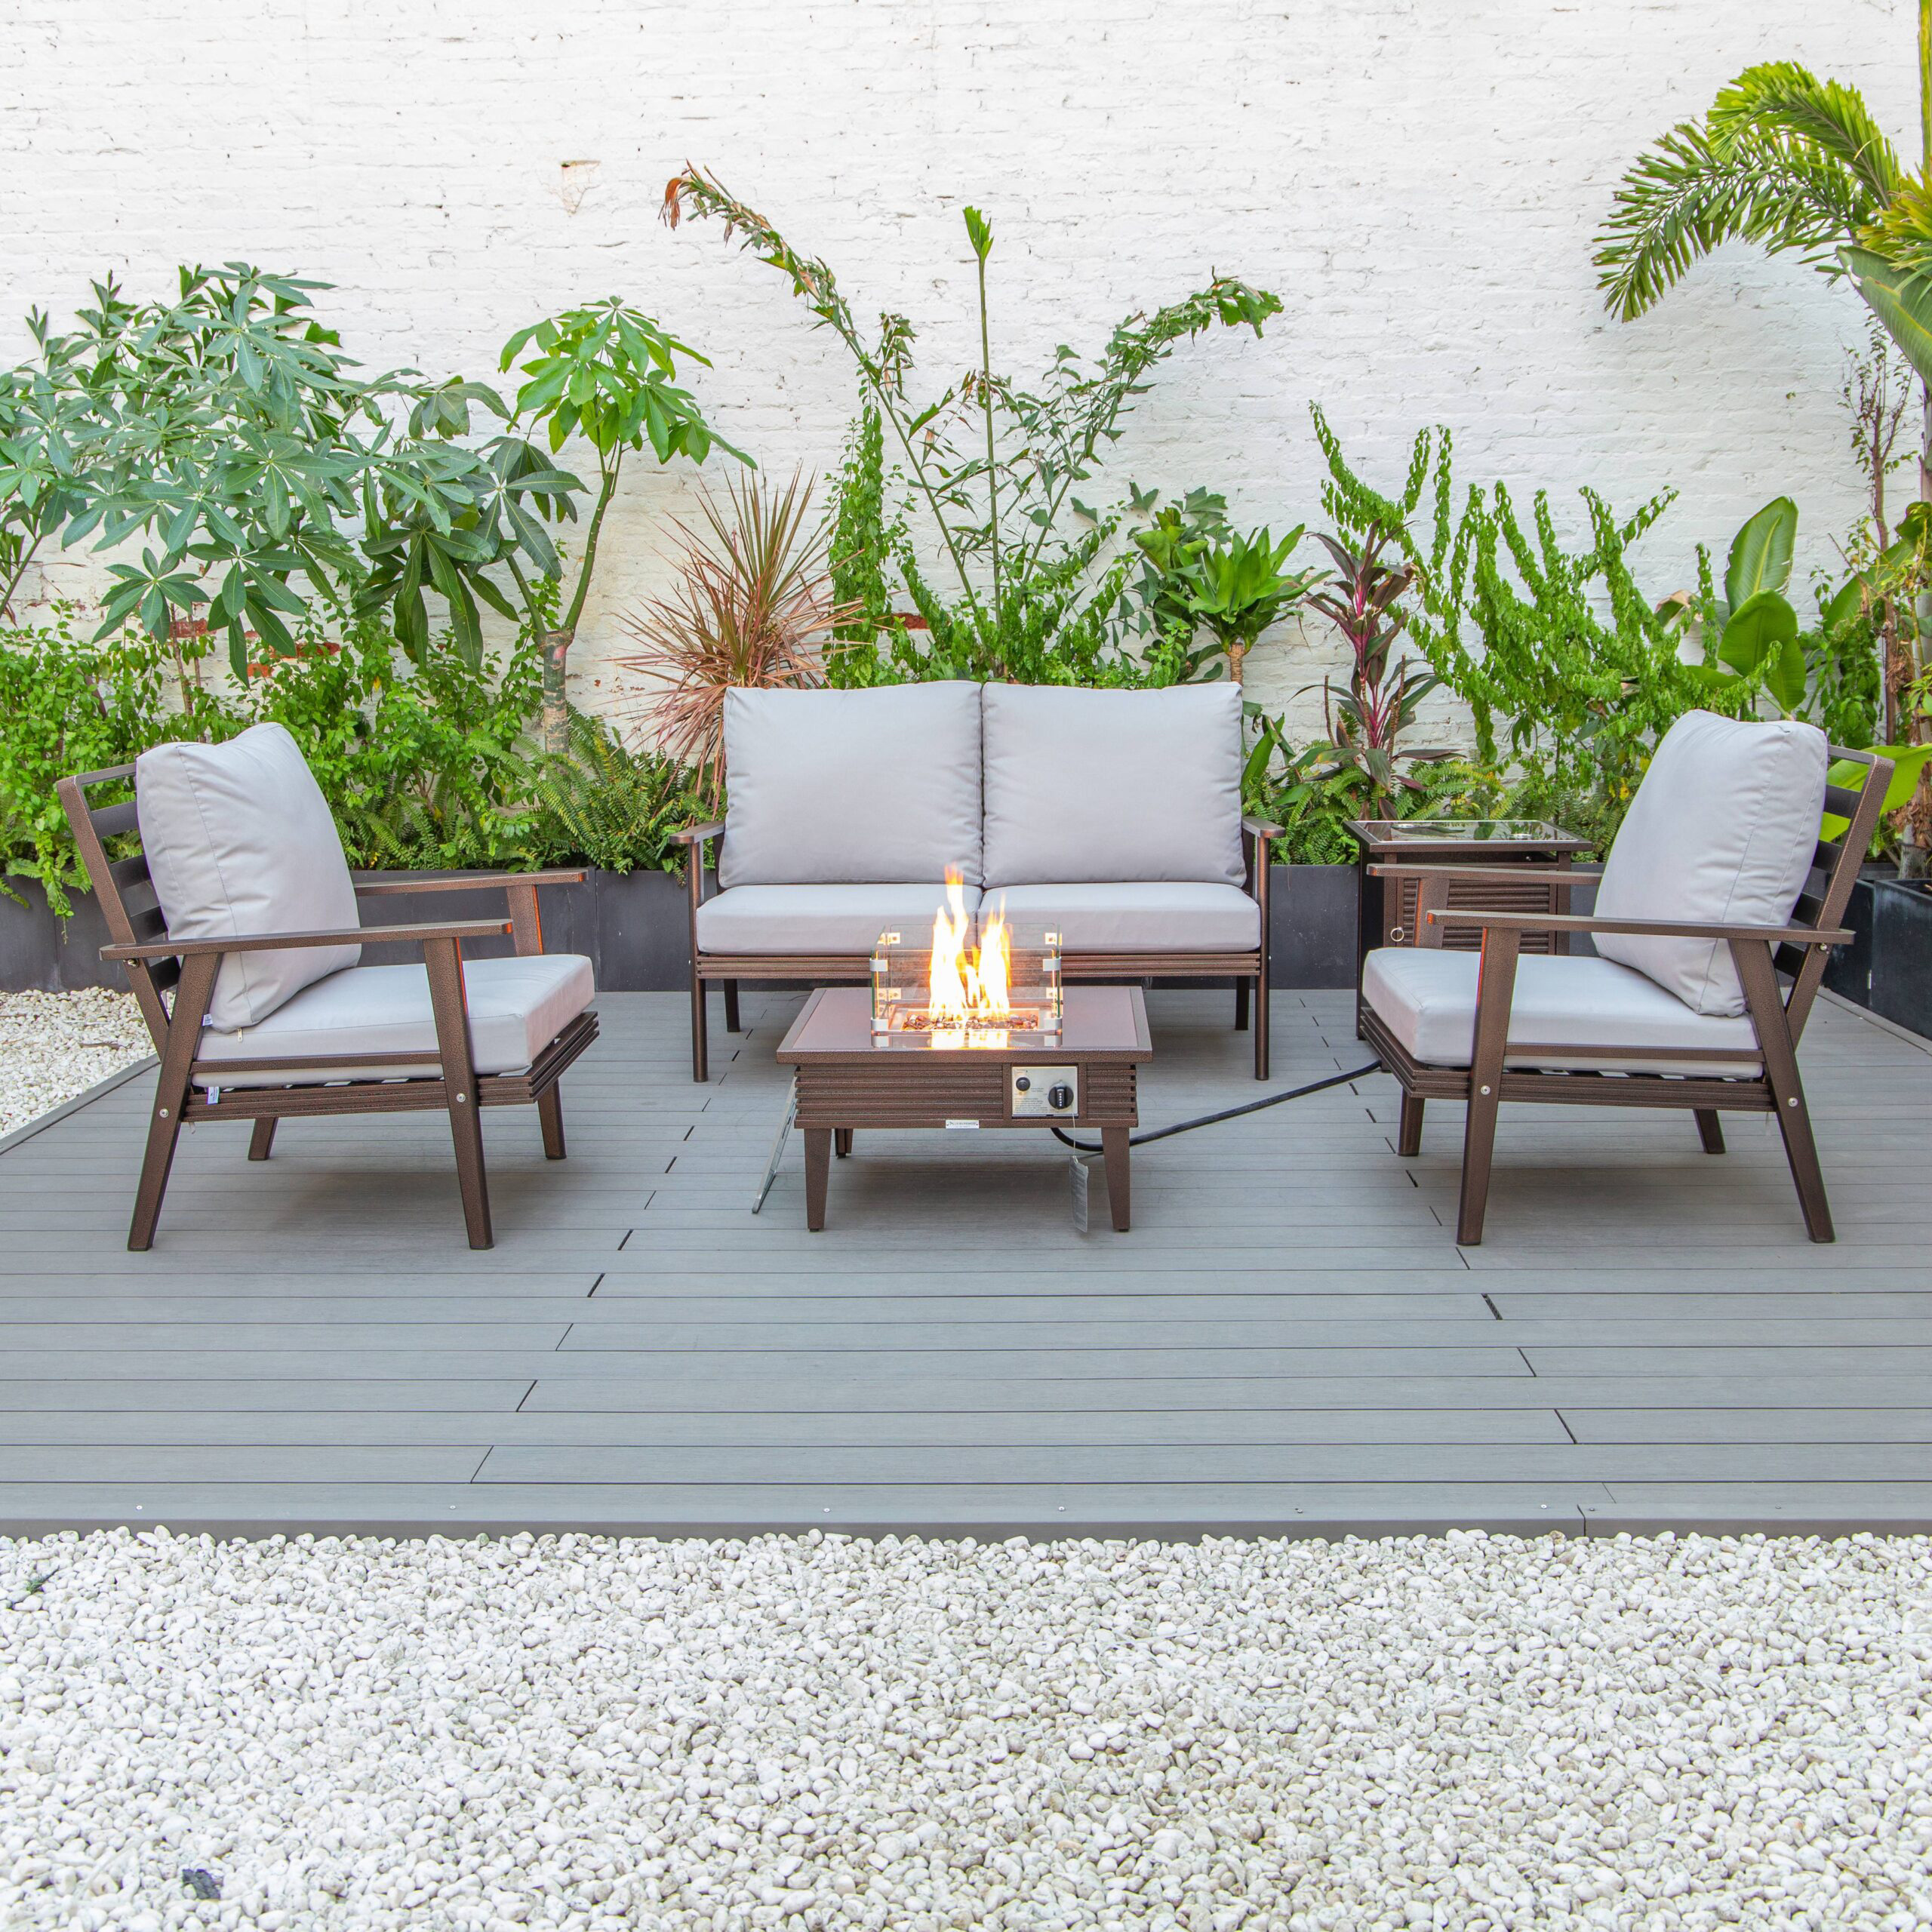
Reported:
(1289, 1341)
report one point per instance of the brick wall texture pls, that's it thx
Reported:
(1418, 179)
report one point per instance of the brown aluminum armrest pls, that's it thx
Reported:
(376, 888)
(1571, 922)
(1259, 828)
(1560, 876)
(186, 949)
(696, 835)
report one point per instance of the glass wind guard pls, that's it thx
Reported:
(989, 983)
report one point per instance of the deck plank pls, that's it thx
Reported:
(1290, 1341)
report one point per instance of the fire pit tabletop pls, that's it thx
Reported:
(1086, 1078)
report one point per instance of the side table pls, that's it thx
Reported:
(1388, 906)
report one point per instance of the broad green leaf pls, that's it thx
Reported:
(1900, 298)
(1907, 762)
(1759, 628)
(1760, 553)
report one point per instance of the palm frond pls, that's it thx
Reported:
(1781, 100)
(1686, 196)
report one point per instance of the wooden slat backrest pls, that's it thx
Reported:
(122, 887)
(1835, 864)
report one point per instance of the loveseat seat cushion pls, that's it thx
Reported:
(1427, 998)
(818, 920)
(1721, 833)
(858, 787)
(517, 1007)
(1102, 787)
(1172, 917)
(238, 839)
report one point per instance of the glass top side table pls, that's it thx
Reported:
(1388, 906)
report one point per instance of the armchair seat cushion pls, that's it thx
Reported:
(1163, 916)
(1427, 999)
(517, 1007)
(818, 921)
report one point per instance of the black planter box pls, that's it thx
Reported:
(1888, 967)
(633, 927)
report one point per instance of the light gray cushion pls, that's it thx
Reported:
(866, 787)
(1180, 916)
(819, 920)
(517, 1007)
(238, 839)
(1722, 832)
(1105, 785)
(1428, 999)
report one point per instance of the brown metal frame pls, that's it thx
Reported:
(844, 1083)
(1248, 969)
(1761, 953)
(445, 1079)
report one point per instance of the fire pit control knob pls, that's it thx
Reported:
(1021, 1084)
(1060, 1098)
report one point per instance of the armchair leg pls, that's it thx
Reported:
(1241, 1006)
(550, 1118)
(1753, 959)
(163, 1131)
(263, 1138)
(731, 1007)
(1261, 1024)
(170, 1095)
(444, 962)
(1710, 1130)
(1495, 986)
(1408, 1133)
(700, 1056)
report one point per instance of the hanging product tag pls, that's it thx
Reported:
(1080, 1171)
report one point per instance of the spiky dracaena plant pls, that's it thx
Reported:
(1796, 165)
(1367, 722)
(753, 602)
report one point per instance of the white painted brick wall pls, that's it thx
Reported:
(1419, 182)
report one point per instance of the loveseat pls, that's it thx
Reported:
(1114, 816)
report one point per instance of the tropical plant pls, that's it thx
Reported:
(1366, 723)
(45, 423)
(1156, 610)
(1553, 649)
(1036, 581)
(601, 803)
(1792, 163)
(1234, 587)
(753, 602)
(606, 373)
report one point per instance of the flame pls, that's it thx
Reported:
(969, 985)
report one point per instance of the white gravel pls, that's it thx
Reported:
(1467, 1731)
(55, 1045)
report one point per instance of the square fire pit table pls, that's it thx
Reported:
(1084, 1077)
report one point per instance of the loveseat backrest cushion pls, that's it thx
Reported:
(1721, 833)
(852, 788)
(238, 839)
(1106, 785)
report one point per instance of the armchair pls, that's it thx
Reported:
(1682, 1006)
(279, 1020)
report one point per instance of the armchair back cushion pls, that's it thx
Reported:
(1102, 787)
(239, 839)
(1722, 832)
(852, 788)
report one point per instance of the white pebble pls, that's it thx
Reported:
(361, 1734)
